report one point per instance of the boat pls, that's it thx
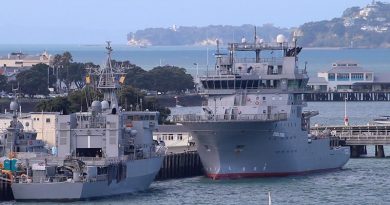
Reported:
(252, 123)
(384, 119)
(17, 140)
(100, 153)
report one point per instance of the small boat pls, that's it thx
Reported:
(383, 119)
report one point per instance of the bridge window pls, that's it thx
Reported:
(270, 70)
(224, 84)
(231, 84)
(280, 69)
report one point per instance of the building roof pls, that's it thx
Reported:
(346, 66)
(345, 69)
(172, 128)
(22, 56)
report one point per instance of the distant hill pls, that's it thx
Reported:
(365, 27)
(184, 35)
(357, 27)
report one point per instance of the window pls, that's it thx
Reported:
(331, 77)
(280, 69)
(47, 120)
(179, 137)
(343, 76)
(357, 76)
(368, 76)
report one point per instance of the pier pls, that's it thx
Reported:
(309, 96)
(358, 137)
(5, 189)
(350, 96)
(180, 165)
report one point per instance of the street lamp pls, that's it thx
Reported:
(346, 121)
(197, 77)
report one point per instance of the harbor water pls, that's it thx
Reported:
(361, 181)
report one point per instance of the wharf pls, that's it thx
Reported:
(180, 165)
(358, 137)
(5, 189)
(309, 96)
(350, 96)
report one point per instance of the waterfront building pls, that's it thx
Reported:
(18, 61)
(173, 136)
(347, 76)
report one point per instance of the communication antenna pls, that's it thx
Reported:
(255, 35)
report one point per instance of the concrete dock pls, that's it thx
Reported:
(358, 137)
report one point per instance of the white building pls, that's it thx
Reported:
(346, 76)
(18, 61)
(173, 136)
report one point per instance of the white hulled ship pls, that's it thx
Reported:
(103, 152)
(252, 124)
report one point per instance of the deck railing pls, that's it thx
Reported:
(230, 117)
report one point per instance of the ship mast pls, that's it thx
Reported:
(109, 80)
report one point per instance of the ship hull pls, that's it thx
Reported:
(140, 174)
(235, 149)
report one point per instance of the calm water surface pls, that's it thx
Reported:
(362, 181)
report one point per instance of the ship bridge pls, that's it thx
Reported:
(273, 69)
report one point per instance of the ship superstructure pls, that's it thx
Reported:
(252, 123)
(103, 152)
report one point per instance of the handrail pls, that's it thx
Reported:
(230, 117)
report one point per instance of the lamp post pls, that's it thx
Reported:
(197, 77)
(346, 121)
(48, 78)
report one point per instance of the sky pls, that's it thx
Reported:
(95, 21)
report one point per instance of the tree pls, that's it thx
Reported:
(80, 100)
(168, 78)
(77, 74)
(34, 81)
(58, 104)
(129, 97)
(63, 63)
(135, 76)
(3, 83)
(75, 102)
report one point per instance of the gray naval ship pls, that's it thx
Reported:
(17, 140)
(252, 124)
(103, 152)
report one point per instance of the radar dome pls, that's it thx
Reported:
(96, 106)
(133, 133)
(280, 38)
(105, 105)
(13, 106)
